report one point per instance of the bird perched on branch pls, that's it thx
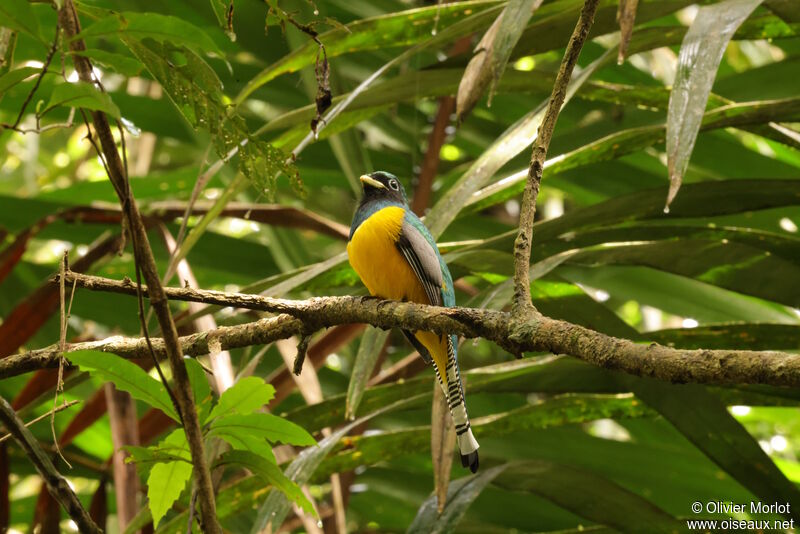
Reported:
(396, 257)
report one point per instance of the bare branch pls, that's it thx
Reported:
(522, 245)
(68, 21)
(535, 333)
(56, 484)
(57, 409)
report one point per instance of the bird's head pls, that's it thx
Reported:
(381, 185)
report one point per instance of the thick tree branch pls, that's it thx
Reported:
(56, 484)
(536, 333)
(522, 244)
(68, 21)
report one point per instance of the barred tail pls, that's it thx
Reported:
(454, 393)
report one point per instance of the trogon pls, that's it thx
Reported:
(396, 257)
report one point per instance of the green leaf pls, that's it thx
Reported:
(275, 507)
(368, 351)
(396, 29)
(120, 63)
(200, 386)
(701, 53)
(270, 473)
(590, 496)
(264, 426)
(492, 53)
(513, 141)
(632, 140)
(196, 91)
(750, 336)
(243, 439)
(705, 421)
(18, 15)
(165, 485)
(160, 28)
(223, 10)
(247, 395)
(126, 376)
(168, 480)
(13, 77)
(556, 412)
(81, 95)
(460, 495)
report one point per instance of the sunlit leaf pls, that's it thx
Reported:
(81, 95)
(701, 53)
(126, 376)
(245, 396)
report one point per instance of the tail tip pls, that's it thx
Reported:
(470, 460)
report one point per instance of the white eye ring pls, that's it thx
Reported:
(393, 185)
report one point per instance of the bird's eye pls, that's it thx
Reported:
(394, 185)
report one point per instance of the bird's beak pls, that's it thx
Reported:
(368, 180)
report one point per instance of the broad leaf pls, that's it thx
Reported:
(126, 376)
(18, 15)
(706, 423)
(263, 426)
(246, 396)
(168, 480)
(270, 473)
(590, 496)
(13, 77)
(161, 28)
(81, 95)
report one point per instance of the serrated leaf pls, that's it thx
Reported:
(81, 95)
(160, 28)
(699, 59)
(246, 396)
(18, 15)
(270, 473)
(126, 376)
(165, 485)
(167, 480)
(242, 439)
(265, 426)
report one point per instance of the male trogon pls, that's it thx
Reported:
(396, 257)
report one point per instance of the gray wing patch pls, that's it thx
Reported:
(424, 261)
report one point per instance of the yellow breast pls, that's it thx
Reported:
(378, 262)
(387, 274)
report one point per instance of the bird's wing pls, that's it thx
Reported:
(422, 256)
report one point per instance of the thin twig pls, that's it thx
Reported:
(56, 409)
(145, 262)
(62, 342)
(522, 244)
(56, 483)
(48, 59)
